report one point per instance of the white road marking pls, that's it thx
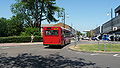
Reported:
(116, 55)
(5, 47)
(95, 54)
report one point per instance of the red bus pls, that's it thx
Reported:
(56, 36)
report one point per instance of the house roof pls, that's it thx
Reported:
(62, 25)
(57, 25)
(46, 25)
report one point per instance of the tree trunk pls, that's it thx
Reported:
(41, 13)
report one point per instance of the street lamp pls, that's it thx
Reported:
(111, 16)
(62, 14)
(64, 17)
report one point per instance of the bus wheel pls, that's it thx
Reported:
(69, 41)
(50, 46)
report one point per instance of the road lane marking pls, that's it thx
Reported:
(95, 54)
(5, 47)
(116, 55)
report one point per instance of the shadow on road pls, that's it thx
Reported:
(36, 61)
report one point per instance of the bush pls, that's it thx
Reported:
(19, 39)
(37, 39)
(29, 30)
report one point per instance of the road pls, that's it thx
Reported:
(38, 56)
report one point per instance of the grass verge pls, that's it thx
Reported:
(97, 48)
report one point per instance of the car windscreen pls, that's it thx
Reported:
(51, 32)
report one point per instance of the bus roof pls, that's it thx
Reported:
(57, 27)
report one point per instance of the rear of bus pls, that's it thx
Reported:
(52, 36)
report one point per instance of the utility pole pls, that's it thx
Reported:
(111, 19)
(64, 18)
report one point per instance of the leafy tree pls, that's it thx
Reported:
(61, 12)
(10, 27)
(88, 34)
(3, 27)
(15, 26)
(35, 11)
(78, 33)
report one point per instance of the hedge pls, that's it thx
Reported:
(19, 39)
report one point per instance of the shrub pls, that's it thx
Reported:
(29, 30)
(19, 39)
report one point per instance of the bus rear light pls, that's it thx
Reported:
(55, 28)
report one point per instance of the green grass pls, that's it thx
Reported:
(101, 47)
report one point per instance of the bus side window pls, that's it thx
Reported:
(63, 34)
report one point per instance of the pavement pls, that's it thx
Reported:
(20, 44)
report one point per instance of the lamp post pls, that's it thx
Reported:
(111, 17)
(64, 17)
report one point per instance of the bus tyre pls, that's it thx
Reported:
(69, 41)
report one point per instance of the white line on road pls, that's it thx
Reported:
(5, 47)
(116, 55)
(95, 54)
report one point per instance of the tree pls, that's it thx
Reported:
(35, 11)
(88, 34)
(78, 33)
(15, 26)
(3, 27)
(10, 27)
(28, 31)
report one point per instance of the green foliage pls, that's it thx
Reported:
(61, 12)
(15, 27)
(19, 39)
(3, 27)
(34, 12)
(10, 27)
(79, 33)
(95, 48)
(88, 34)
(31, 31)
(37, 39)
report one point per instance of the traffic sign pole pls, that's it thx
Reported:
(104, 46)
(98, 46)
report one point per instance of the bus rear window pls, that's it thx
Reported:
(51, 32)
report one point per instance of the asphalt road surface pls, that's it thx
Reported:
(38, 56)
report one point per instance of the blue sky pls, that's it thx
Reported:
(83, 14)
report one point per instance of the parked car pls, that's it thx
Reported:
(93, 38)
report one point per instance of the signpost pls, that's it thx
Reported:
(105, 38)
(98, 39)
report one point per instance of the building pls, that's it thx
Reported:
(110, 27)
(113, 25)
(59, 25)
(97, 31)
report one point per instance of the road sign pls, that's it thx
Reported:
(114, 28)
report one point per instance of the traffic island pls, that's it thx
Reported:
(101, 48)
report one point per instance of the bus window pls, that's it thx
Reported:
(51, 32)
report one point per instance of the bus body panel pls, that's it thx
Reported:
(54, 36)
(52, 40)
